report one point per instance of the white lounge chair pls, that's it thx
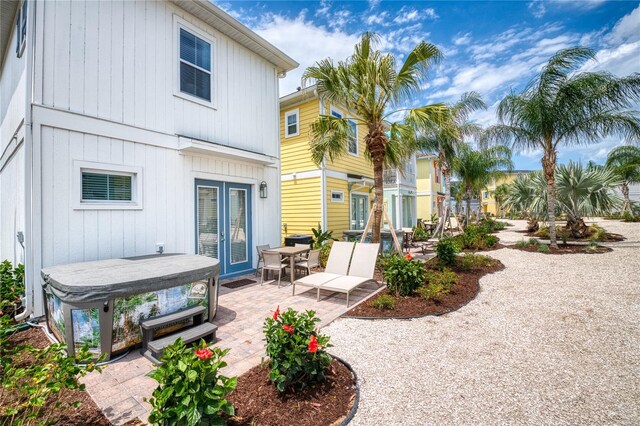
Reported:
(337, 266)
(361, 269)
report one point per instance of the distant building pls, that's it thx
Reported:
(430, 186)
(488, 202)
(400, 195)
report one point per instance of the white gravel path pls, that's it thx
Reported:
(550, 340)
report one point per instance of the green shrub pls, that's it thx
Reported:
(446, 250)
(324, 254)
(433, 292)
(597, 233)
(296, 351)
(11, 287)
(191, 390)
(629, 217)
(522, 243)
(384, 302)
(493, 225)
(402, 274)
(470, 261)
(420, 234)
(543, 248)
(533, 242)
(476, 237)
(320, 237)
(438, 284)
(593, 246)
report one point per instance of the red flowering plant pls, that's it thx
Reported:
(296, 352)
(191, 390)
(402, 274)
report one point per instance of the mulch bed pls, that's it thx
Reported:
(566, 249)
(257, 402)
(87, 413)
(610, 238)
(412, 306)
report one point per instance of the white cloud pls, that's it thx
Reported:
(462, 39)
(411, 14)
(537, 8)
(377, 19)
(626, 29)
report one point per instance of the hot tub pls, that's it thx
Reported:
(102, 303)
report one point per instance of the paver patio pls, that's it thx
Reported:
(121, 388)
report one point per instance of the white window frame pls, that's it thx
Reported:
(80, 167)
(179, 23)
(22, 41)
(341, 193)
(288, 114)
(333, 109)
(355, 154)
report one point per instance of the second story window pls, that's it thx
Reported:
(352, 145)
(195, 65)
(21, 28)
(292, 123)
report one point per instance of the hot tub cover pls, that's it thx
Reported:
(104, 280)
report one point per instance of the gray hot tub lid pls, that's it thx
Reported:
(103, 280)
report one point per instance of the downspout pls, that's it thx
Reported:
(323, 183)
(28, 166)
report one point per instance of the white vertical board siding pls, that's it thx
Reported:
(12, 208)
(118, 61)
(167, 216)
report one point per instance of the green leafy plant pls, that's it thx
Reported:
(591, 247)
(11, 287)
(384, 302)
(446, 250)
(470, 261)
(493, 225)
(438, 284)
(476, 237)
(543, 248)
(597, 233)
(191, 390)
(320, 237)
(324, 254)
(296, 351)
(420, 234)
(630, 217)
(402, 274)
(522, 243)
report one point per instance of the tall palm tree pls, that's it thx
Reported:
(625, 162)
(373, 86)
(562, 106)
(527, 195)
(499, 195)
(446, 139)
(478, 168)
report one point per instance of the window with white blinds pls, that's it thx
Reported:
(195, 65)
(107, 187)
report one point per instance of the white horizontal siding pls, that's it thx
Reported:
(116, 60)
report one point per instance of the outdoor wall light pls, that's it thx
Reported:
(263, 189)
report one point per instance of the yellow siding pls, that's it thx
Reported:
(301, 206)
(337, 213)
(294, 151)
(424, 207)
(489, 204)
(426, 185)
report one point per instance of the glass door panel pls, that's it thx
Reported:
(208, 221)
(238, 232)
(359, 211)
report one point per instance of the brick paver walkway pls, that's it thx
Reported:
(122, 387)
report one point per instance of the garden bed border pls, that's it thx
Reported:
(356, 399)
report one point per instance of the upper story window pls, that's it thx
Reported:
(352, 143)
(485, 195)
(21, 29)
(292, 123)
(195, 66)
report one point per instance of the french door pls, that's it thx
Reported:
(359, 211)
(223, 224)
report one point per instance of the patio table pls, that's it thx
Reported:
(292, 252)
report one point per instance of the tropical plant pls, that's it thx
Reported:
(475, 237)
(320, 237)
(372, 86)
(499, 194)
(402, 274)
(11, 287)
(563, 106)
(447, 249)
(445, 140)
(296, 351)
(384, 302)
(477, 168)
(437, 284)
(625, 162)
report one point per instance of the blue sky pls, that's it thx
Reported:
(489, 47)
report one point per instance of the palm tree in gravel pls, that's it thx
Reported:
(563, 106)
(477, 168)
(373, 86)
(625, 162)
(499, 195)
(445, 140)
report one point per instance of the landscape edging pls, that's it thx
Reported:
(356, 399)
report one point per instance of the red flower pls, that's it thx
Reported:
(408, 256)
(313, 345)
(276, 313)
(287, 328)
(205, 353)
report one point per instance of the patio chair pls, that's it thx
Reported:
(272, 262)
(312, 261)
(337, 266)
(302, 256)
(260, 249)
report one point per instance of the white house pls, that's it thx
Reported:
(133, 127)
(400, 194)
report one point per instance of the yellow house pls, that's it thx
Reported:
(429, 186)
(489, 203)
(337, 195)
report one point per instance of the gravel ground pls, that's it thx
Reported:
(550, 340)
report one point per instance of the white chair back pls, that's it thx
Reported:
(339, 258)
(363, 262)
(314, 258)
(271, 259)
(262, 248)
(298, 245)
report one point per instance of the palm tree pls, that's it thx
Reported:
(625, 162)
(445, 140)
(527, 195)
(562, 106)
(478, 168)
(371, 85)
(499, 195)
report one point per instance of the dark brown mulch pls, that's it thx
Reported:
(566, 249)
(87, 413)
(257, 401)
(498, 246)
(462, 293)
(610, 238)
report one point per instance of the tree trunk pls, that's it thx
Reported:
(625, 193)
(549, 169)
(467, 217)
(577, 227)
(378, 205)
(444, 219)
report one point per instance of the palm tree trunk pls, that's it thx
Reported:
(378, 204)
(467, 217)
(549, 169)
(444, 219)
(625, 193)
